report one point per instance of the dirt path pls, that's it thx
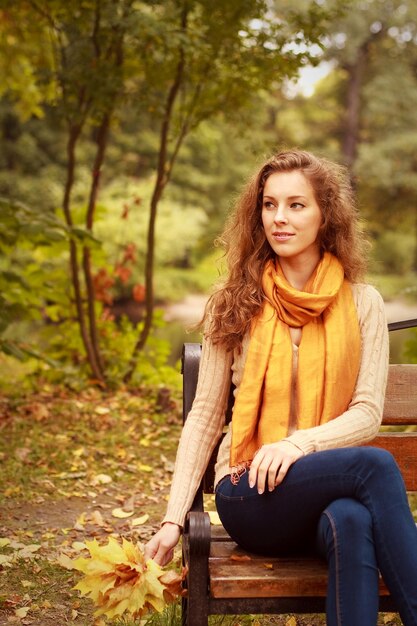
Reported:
(398, 310)
(191, 309)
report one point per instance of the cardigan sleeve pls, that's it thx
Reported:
(361, 421)
(201, 431)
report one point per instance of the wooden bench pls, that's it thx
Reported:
(223, 579)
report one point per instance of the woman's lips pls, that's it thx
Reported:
(282, 236)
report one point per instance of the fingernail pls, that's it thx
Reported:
(260, 491)
(251, 483)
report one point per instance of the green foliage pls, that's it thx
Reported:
(393, 253)
(24, 56)
(21, 229)
(122, 220)
(392, 286)
(30, 242)
(101, 75)
(63, 343)
(231, 110)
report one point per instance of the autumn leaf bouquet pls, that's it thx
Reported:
(118, 580)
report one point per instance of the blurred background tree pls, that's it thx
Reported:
(127, 127)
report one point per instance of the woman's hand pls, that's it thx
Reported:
(271, 463)
(161, 547)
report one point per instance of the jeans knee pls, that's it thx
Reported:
(350, 517)
(378, 459)
(345, 521)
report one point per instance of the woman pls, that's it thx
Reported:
(305, 343)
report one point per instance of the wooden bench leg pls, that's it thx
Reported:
(196, 548)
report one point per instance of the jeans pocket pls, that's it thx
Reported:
(221, 481)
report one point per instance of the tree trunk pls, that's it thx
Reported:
(74, 133)
(116, 50)
(353, 100)
(102, 139)
(356, 71)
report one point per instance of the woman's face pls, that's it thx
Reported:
(291, 216)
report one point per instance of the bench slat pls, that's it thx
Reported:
(404, 448)
(254, 578)
(401, 396)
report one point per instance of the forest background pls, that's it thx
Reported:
(127, 129)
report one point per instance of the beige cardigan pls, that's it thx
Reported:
(358, 424)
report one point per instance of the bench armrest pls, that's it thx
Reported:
(198, 533)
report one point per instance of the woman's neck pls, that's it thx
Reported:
(298, 271)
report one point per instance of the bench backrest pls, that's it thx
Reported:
(399, 425)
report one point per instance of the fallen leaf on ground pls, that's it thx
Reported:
(121, 514)
(238, 557)
(97, 518)
(145, 468)
(65, 561)
(6, 559)
(101, 410)
(101, 479)
(138, 521)
(28, 552)
(80, 522)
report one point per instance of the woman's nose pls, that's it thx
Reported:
(280, 217)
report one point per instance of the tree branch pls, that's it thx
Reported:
(160, 183)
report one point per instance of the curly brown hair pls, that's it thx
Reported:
(239, 298)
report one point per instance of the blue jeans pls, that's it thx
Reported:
(350, 504)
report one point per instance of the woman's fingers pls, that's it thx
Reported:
(161, 547)
(271, 464)
(254, 468)
(275, 466)
(285, 466)
(162, 557)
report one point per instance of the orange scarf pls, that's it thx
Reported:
(328, 364)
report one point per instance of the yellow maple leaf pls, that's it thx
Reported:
(118, 580)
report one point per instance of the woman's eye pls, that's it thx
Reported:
(297, 205)
(269, 205)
